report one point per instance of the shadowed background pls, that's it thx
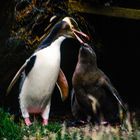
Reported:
(116, 42)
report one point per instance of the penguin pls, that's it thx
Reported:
(93, 97)
(41, 71)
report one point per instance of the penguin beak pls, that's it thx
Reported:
(77, 33)
(72, 23)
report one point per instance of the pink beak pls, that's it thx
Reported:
(75, 32)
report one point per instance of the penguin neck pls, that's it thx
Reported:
(49, 41)
(51, 36)
(57, 43)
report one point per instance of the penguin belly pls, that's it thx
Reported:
(38, 86)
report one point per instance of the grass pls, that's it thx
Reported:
(9, 130)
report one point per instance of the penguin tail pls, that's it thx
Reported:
(107, 84)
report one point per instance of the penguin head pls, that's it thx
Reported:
(67, 27)
(69, 24)
(71, 29)
(87, 55)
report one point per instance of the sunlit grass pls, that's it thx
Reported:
(59, 131)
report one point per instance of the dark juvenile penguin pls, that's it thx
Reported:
(42, 71)
(93, 98)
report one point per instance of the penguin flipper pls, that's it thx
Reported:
(104, 82)
(62, 85)
(14, 80)
(75, 107)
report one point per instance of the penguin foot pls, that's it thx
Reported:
(27, 121)
(45, 122)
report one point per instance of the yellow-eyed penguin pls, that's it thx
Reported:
(42, 71)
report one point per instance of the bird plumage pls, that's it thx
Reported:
(42, 71)
(93, 94)
(39, 84)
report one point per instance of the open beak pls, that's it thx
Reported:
(77, 33)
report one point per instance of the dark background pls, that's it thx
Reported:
(118, 56)
(116, 41)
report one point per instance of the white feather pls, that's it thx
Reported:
(94, 103)
(39, 84)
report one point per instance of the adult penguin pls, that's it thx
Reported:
(94, 98)
(42, 71)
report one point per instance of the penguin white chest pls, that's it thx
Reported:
(39, 84)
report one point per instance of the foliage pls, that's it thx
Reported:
(32, 19)
(57, 131)
(8, 129)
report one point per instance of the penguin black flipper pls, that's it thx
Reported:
(76, 109)
(106, 84)
(62, 85)
(16, 77)
(27, 66)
